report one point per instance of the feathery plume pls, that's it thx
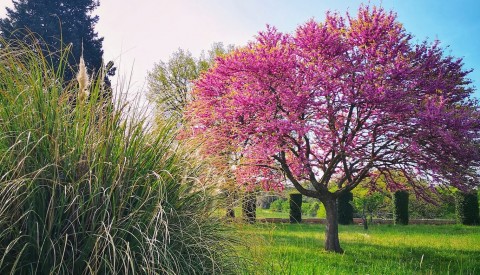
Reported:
(83, 81)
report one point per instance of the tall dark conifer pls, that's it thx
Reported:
(59, 23)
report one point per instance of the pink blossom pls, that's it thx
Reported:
(337, 102)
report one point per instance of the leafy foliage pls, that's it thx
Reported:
(372, 204)
(170, 83)
(310, 209)
(443, 206)
(169, 88)
(280, 205)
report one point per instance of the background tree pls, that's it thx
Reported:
(340, 102)
(170, 83)
(368, 202)
(170, 86)
(57, 24)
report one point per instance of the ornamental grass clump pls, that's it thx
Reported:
(85, 189)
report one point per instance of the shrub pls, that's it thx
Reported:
(310, 209)
(313, 209)
(321, 213)
(85, 189)
(265, 200)
(295, 208)
(345, 208)
(467, 211)
(280, 205)
(442, 208)
(277, 205)
(400, 207)
(305, 207)
(371, 203)
(286, 206)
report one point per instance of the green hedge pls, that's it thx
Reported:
(295, 208)
(400, 207)
(467, 208)
(345, 208)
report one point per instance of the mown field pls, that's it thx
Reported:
(383, 249)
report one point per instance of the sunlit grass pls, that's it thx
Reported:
(383, 249)
(261, 213)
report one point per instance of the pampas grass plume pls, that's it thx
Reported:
(83, 80)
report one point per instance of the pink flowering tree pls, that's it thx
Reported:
(339, 103)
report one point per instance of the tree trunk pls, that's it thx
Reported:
(249, 207)
(364, 216)
(230, 199)
(230, 213)
(332, 242)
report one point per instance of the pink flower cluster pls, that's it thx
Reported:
(339, 102)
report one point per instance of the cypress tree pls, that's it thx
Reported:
(467, 211)
(57, 24)
(345, 208)
(295, 208)
(400, 207)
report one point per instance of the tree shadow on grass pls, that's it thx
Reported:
(286, 253)
(417, 229)
(406, 259)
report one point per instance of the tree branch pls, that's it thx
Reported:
(286, 169)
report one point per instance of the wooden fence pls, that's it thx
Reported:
(359, 221)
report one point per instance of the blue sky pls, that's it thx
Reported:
(142, 32)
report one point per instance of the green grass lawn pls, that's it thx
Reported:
(265, 213)
(261, 213)
(383, 249)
